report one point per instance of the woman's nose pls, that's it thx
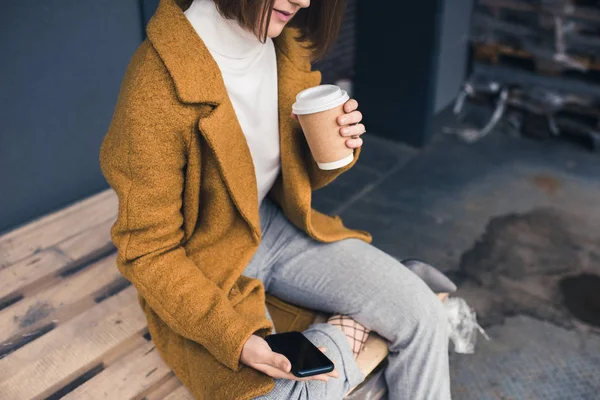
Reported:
(301, 3)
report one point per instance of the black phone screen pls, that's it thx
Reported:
(305, 357)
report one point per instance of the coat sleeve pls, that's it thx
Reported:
(301, 55)
(320, 178)
(142, 157)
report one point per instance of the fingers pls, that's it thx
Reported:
(350, 105)
(353, 130)
(295, 116)
(353, 117)
(274, 372)
(354, 143)
(334, 373)
(281, 362)
(321, 377)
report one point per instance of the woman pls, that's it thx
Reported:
(214, 180)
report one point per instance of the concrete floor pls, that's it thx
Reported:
(434, 204)
(529, 359)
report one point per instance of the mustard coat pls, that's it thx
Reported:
(188, 218)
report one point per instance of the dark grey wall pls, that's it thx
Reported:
(62, 65)
(396, 67)
(454, 50)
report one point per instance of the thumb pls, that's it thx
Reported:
(281, 362)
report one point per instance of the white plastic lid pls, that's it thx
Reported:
(319, 98)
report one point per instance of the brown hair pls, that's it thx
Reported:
(319, 24)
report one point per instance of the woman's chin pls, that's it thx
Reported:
(275, 29)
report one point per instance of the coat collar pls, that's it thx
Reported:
(185, 56)
(197, 79)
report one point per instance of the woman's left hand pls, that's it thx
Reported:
(350, 125)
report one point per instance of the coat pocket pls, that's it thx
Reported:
(235, 294)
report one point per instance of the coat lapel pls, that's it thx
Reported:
(185, 56)
(292, 190)
(224, 135)
(198, 80)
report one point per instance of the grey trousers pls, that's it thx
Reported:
(354, 278)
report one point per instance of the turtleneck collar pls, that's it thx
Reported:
(223, 37)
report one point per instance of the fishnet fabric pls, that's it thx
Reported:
(356, 333)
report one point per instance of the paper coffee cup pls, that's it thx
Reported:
(317, 109)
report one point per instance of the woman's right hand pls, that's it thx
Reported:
(257, 354)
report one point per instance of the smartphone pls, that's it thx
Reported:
(305, 357)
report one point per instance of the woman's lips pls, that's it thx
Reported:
(282, 15)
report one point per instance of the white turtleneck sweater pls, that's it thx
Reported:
(249, 70)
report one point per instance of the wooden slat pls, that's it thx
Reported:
(62, 301)
(584, 13)
(485, 50)
(41, 267)
(180, 394)
(128, 378)
(56, 227)
(373, 353)
(124, 348)
(161, 392)
(48, 363)
(88, 243)
(31, 270)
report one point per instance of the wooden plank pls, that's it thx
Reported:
(50, 218)
(48, 263)
(483, 51)
(50, 362)
(62, 301)
(92, 242)
(124, 348)
(511, 5)
(583, 13)
(128, 378)
(56, 227)
(164, 390)
(373, 353)
(180, 394)
(31, 270)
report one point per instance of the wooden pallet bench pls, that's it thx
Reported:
(577, 12)
(520, 60)
(70, 324)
